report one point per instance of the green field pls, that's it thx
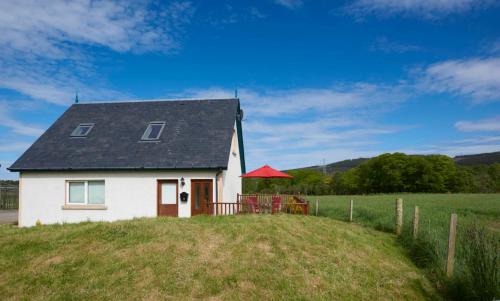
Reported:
(247, 257)
(378, 211)
(435, 209)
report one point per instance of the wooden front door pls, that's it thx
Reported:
(168, 198)
(201, 197)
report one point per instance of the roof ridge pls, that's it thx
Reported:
(154, 100)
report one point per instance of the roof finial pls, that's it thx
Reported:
(236, 93)
(76, 97)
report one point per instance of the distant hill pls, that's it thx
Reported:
(468, 160)
(479, 159)
(336, 167)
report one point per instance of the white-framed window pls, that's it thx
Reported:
(82, 130)
(153, 131)
(85, 192)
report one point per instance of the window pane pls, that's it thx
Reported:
(96, 192)
(207, 196)
(155, 131)
(82, 130)
(197, 197)
(77, 192)
(169, 193)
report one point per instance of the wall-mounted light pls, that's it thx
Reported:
(183, 182)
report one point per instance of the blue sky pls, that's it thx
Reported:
(318, 80)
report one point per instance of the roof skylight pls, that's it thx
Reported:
(82, 130)
(154, 130)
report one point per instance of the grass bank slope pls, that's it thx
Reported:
(226, 258)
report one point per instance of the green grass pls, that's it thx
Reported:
(378, 211)
(227, 258)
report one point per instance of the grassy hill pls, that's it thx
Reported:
(467, 160)
(227, 258)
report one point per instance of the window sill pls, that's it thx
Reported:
(84, 207)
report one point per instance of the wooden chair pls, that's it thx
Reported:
(253, 206)
(276, 207)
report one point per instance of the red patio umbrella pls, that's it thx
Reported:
(266, 171)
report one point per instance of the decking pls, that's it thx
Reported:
(261, 204)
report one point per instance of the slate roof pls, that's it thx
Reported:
(197, 135)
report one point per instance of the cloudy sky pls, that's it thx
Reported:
(317, 79)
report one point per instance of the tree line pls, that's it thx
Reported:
(388, 173)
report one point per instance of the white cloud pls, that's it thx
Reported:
(476, 145)
(299, 127)
(48, 27)
(53, 85)
(4, 173)
(16, 126)
(491, 124)
(323, 100)
(291, 4)
(44, 45)
(16, 135)
(9, 146)
(479, 140)
(316, 132)
(384, 45)
(495, 47)
(490, 46)
(425, 8)
(256, 13)
(478, 78)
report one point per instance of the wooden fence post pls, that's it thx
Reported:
(399, 216)
(450, 260)
(317, 206)
(350, 210)
(415, 223)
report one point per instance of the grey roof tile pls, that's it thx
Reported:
(197, 135)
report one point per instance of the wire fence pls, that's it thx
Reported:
(456, 240)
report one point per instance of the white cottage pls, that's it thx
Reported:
(120, 160)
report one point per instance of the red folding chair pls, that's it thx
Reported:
(276, 204)
(253, 206)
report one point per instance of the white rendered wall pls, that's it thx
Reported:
(231, 177)
(128, 194)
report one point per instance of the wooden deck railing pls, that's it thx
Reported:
(273, 203)
(260, 204)
(226, 208)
